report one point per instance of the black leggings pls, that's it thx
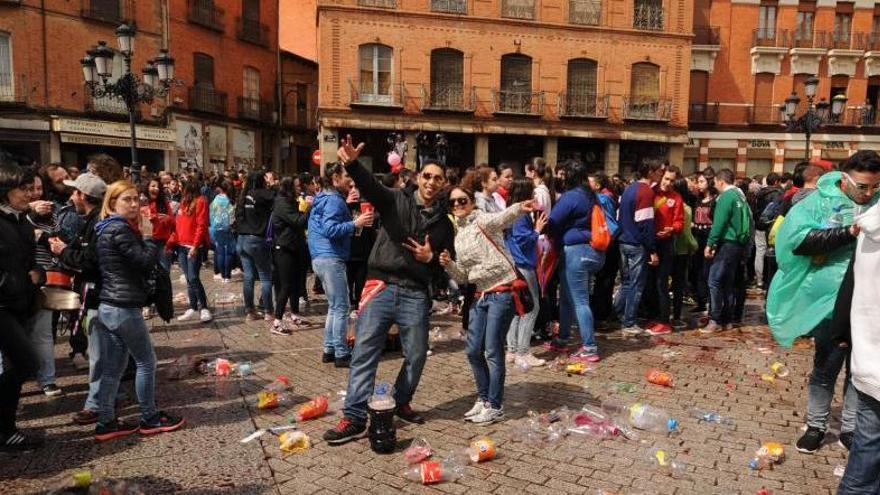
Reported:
(289, 273)
(357, 278)
(19, 364)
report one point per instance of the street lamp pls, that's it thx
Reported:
(816, 114)
(157, 79)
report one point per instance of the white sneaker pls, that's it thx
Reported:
(488, 416)
(633, 330)
(188, 315)
(205, 316)
(303, 302)
(182, 278)
(477, 409)
(226, 280)
(510, 357)
(533, 361)
(217, 276)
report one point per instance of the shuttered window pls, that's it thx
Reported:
(203, 70)
(447, 78)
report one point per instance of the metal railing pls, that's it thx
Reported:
(703, 113)
(872, 41)
(648, 16)
(106, 104)
(440, 98)
(767, 37)
(381, 4)
(209, 100)
(449, 6)
(254, 109)
(765, 114)
(584, 105)
(205, 14)
(802, 38)
(100, 11)
(707, 35)
(646, 108)
(518, 102)
(364, 93)
(10, 92)
(860, 115)
(518, 9)
(252, 31)
(585, 12)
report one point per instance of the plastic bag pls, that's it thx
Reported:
(418, 451)
(293, 442)
(313, 409)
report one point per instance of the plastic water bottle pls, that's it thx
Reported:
(642, 416)
(352, 328)
(430, 472)
(710, 416)
(281, 384)
(665, 462)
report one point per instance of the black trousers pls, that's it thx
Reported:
(602, 300)
(679, 283)
(289, 276)
(19, 364)
(699, 269)
(356, 272)
(655, 299)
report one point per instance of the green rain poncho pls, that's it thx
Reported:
(804, 289)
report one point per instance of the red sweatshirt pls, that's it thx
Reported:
(191, 229)
(161, 228)
(668, 212)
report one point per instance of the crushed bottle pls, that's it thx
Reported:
(431, 472)
(642, 416)
(710, 416)
(418, 451)
(769, 454)
(481, 450)
(315, 408)
(665, 462)
(623, 387)
(280, 384)
(293, 442)
(660, 377)
(181, 367)
(271, 400)
(779, 369)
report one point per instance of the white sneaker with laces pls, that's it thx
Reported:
(533, 361)
(188, 315)
(477, 409)
(488, 415)
(205, 316)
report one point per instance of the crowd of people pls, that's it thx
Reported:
(523, 253)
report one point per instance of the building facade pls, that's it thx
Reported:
(755, 54)
(470, 82)
(225, 118)
(299, 96)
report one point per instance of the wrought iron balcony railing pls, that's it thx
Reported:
(11, 93)
(204, 99)
(205, 14)
(707, 35)
(252, 31)
(450, 6)
(585, 12)
(381, 95)
(518, 9)
(767, 37)
(582, 105)
(518, 102)
(381, 4)
(703, 113)
(646, 108)
(443, 98)
(765, 114)
(254, 109)
(648, 16)
(111, 12)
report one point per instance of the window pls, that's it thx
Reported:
(644, 90)
(449, 6)
(250, 10)
(302, 104)
(251, 83)
(648, 14)
(701, 12)
(518, 9)
(447, 79)
(803, 35)
(516, 84)
(586, 12)
(581, 92)
(764, 110)
(699, 111)
(104, 10)
(759, 166)
(375, 68)
(203, 70)
(842, 25)
(7, 81)
(766, 22)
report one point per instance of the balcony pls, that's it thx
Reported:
(648, 16)
(518, 9)
(448, 99)
(582, 106)
(769, 47)
(768, 37)
(106, 104)
(647, 108)
(12, 93)
(379, 4)
(449, 6)
(585, 12)
(209, 100)
(703, 113)
(872, 55)
(375, 94)
(205, 14)
(862, 115)
(522, 103)
(254, 109)
(845, 53)
(252, 31)
(99, 10)
(765, 114)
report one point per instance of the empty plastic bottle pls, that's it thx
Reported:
(779, 369)
(666, 463)
(281, 384)
(352, 328)
(710, 416)
(430, 472)
(642, 416)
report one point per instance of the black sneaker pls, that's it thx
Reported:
(114, 429)
(161, 422)
(406, 413)
(19, 442)
(345, 431)
(811, 441)
(845, 439)
(342, 362)
(52, 390)
(328, 357)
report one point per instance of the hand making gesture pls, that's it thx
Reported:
(347, 153)
(421, 252)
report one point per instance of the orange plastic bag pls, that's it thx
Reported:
(313, 409)
(658, 377)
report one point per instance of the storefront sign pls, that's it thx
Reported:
(216, 142)
(111, 129)
(189, 143)
(759, 143)
(114, 141)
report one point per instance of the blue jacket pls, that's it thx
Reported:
(637, 216)
(571, 217)
(330, 227)
(522, 243)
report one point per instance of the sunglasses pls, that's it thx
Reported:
(861, 187)
(429, 177)
(462, 201)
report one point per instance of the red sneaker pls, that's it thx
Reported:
(658, 329)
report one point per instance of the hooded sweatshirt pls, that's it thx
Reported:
(865, 310)
(330, 227)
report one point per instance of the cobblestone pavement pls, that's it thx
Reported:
(720, 373)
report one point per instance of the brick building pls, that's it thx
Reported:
(750, 55)
(224, 116)
(299, 87)
(486, 81)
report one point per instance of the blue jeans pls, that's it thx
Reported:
(722, 278)
(394, 305)
(256, 259)
(123, 331)
(521, 327)
(632, 274)
(827, 363)
(164, 260)
(862, 475)
(44, 345)
(332, 272)
(190, 268)
(489, 321)
(224, 251)
(580, 262)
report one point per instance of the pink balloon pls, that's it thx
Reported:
(393, 159)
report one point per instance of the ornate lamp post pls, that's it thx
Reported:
(157, 79)
(816, 114)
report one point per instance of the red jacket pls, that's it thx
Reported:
(161, 228)
(191, 229)
(668, 212)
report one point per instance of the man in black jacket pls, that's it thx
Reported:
(415, 226)
(80, 254)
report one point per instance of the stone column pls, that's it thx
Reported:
(741, 159)
(481, 149)
(612, 157)
(329, 144)
(676, 154)
(551, 149)
(411, 152)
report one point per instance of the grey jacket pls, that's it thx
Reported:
(477, 260)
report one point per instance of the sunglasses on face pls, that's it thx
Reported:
(860, 186)
(462, 201)
(429, 177)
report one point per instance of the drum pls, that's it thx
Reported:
(58, 299)
(59, 279)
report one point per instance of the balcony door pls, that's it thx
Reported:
(447, 79)
(581, 91)
(516, 83)
(7, 81)
(375, 73)
(203, 71)
(766, 22)
(644, 90)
